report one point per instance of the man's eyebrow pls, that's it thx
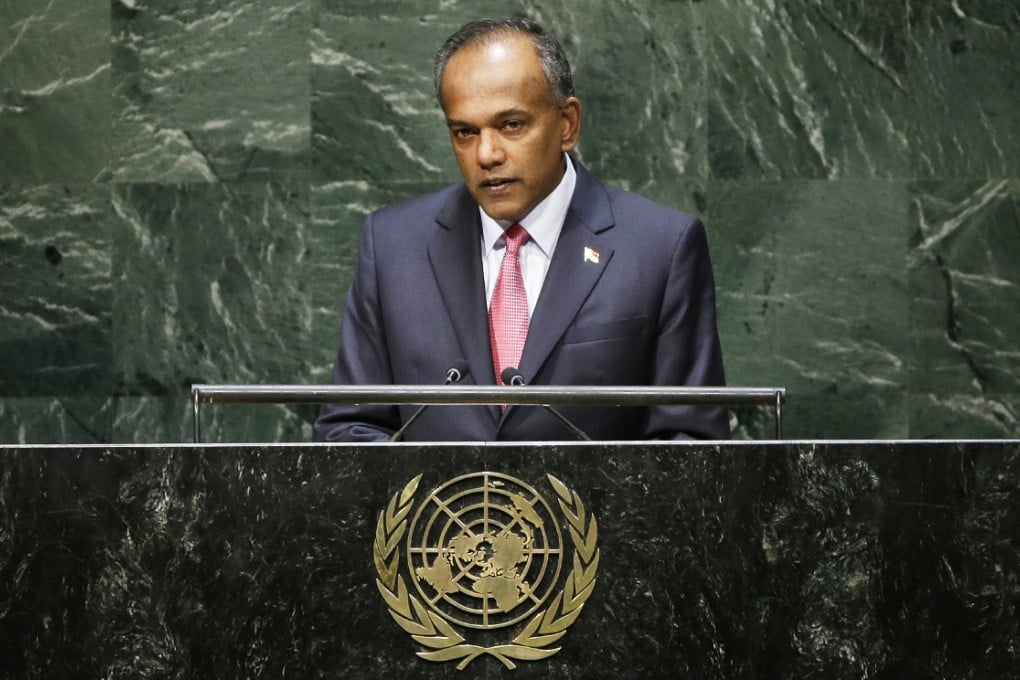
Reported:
(502, 115)
(512, 113)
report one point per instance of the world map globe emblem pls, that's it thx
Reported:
(485, 550)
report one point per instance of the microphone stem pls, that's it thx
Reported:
(451, 377)
(578, 432)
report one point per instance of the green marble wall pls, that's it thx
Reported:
(182, 183)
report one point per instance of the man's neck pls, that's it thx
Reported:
(545, 220)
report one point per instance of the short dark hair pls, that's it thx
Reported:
(550, 52)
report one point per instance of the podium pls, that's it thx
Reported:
(714, 560)
(545, 396)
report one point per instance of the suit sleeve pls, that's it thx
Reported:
(688, 350)
(362, 358)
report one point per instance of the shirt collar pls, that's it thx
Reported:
(544, 222)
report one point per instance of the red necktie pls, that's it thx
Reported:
(508, 311)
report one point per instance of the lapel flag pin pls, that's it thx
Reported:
(591, 255)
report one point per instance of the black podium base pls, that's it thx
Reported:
(744, 560)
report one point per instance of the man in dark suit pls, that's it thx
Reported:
(602, 286)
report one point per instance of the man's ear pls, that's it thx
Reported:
(570, 123)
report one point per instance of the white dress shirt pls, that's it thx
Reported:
(543, 225)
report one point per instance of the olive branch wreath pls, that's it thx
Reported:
(433, 631)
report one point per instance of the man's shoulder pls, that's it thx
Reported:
(420, 207)
(633, 210)
(632, 205)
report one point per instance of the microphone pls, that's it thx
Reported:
(511, 376)
(457, 372)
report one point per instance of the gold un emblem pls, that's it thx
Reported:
(484, 553)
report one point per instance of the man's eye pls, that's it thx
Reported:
(462, 133)
(513, 125)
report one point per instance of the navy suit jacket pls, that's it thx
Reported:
(643, 314)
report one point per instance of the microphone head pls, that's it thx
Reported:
(511, 376)
(457, 371)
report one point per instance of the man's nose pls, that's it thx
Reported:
(490, 149)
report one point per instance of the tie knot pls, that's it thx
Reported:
(515, 237)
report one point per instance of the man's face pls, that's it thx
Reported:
(507, 135)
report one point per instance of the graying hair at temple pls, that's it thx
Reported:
(550, 52)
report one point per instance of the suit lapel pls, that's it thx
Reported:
(455, 256)
(580, 258)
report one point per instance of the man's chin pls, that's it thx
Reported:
(499, 210)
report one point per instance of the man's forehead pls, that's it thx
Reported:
(496, 50)
(498, 41)
(498, 69)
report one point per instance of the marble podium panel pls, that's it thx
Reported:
(742, 560)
